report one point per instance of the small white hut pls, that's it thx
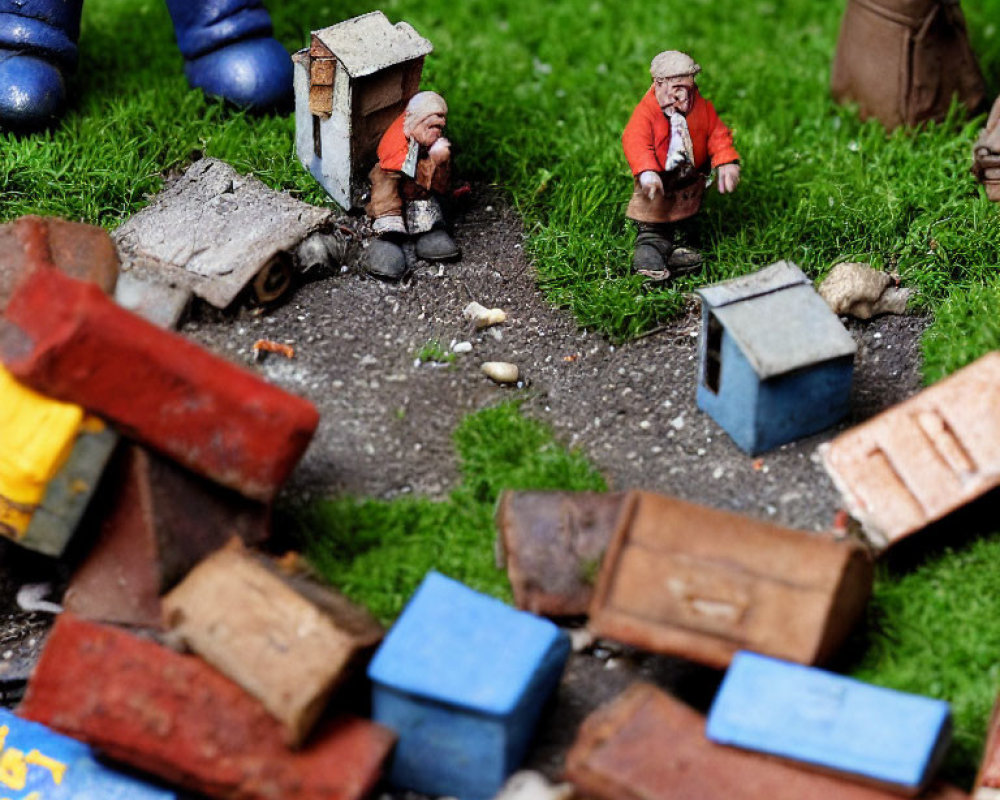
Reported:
(352, 81)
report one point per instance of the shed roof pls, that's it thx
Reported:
(369, 43)
(924, 458)
(778, 320)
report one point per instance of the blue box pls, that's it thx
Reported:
(39, 764)
(462, 679)
(776, 364)
(833, 723)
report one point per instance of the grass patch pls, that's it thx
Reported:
(377, 552)
(966, 326)
(433, 353)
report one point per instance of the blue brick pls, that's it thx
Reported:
(462, 679)
(830, 722)
(39, 764)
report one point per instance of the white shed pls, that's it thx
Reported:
(352, 81)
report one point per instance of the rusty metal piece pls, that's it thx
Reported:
(691, 581)
(267, 346)
(552, 544)
(924, 458)
(645, 745)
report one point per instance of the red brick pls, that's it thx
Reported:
(83, 251)
(65, 339)
(645, 745)
(553, 543)
(691, 581)
(157, 521)
(174, 716)
(988, 779)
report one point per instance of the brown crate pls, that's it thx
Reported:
(553, 543)
(691, 581)
(176, 717)
(645, 745)
(158, 521)
(924, 458)
(238, 612)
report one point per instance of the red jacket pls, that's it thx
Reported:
(393, 147)
(647, 136)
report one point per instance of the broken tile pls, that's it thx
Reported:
(462, 679)
(552, 544)
(83, 251)
(176, 717)
(924, 458)
(241, 614)
(775, 363)
(645, 745)
(157, 521)
(154, 300)
(38, 764)
(691, 581)
(65, 339)
(831, 723)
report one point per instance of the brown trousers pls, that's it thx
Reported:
(390, 190)
(680, 199)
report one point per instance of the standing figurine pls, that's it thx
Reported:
(414, 166)
(672, 137)
(227, 47)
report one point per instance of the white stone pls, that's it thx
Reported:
(484, 317)
(529, 785)
(462, 347)
(500, 371)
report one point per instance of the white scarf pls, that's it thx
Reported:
(681, 150)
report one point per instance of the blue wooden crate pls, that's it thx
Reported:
(462, 679)
(828, 721)
(39, 764)
(776, 363)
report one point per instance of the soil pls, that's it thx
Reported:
(387, 419)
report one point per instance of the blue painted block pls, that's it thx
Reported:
(776, 364)
(830, 722)
(462, 679)
(39, 764)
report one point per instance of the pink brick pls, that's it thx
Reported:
(65, 339)
(174, 716)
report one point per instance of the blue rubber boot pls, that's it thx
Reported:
(229, 51)
(37, 49)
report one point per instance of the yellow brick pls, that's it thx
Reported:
(36, 436)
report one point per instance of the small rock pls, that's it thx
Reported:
(580, 639)
(500, 371)
(529, 785)
(462, 347)
(484, 317)
(857, 290)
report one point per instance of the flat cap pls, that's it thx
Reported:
(673, 64)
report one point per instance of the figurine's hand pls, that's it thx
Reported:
(650, 184)
(440, 151)
(729, 178)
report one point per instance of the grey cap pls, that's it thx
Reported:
(673, 64)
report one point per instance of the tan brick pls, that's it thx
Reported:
(691, 581)
(242, 615)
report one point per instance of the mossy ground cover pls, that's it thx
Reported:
(540, 92)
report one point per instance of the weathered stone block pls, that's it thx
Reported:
(831, 723)
(462, 679)
(65, 339)
(83, 251)
(238, 612)
(924, 458)
(552, 544)
(158, 521)
(176, 717)
(645, 745)
(38, 764)
(691, 581)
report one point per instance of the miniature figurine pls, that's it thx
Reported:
(903, 61)
(227, 47)
(986, 154)
(673, 135)
(414, 166)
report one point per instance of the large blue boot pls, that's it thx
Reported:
(37, 49)
(230, 53)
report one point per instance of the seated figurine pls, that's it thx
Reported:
(414, 166)
(672, 138)
(986, 154)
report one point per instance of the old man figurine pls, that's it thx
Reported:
(414, 166)
(672, 139)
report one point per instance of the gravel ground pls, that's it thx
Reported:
(387, 421)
